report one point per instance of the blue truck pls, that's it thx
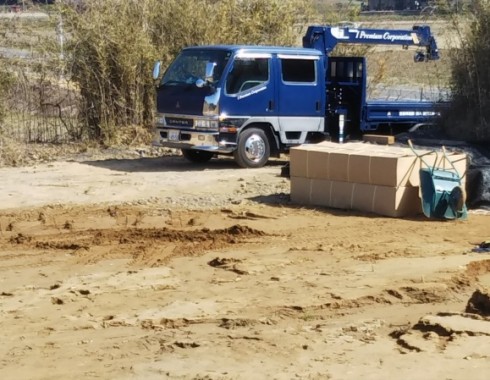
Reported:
(254, 102)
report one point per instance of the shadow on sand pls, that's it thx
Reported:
(169, 164)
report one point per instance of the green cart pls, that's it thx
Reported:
(443, 195)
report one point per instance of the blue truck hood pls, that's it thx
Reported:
(184, 99)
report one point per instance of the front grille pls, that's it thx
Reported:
(179, 122)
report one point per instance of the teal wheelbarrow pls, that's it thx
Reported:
(443, 195)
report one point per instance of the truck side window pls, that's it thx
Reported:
(298, 70)
(246, 74)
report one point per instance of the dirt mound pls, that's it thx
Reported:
(140, 243)
(138, 235)
(229, 264)
(435, 333)
(477, 268)
(471, 276)
(427, 294)
(479, 303)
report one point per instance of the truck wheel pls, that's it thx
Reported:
(197, 156)
(253, 150)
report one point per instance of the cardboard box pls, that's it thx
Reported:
(310, 161)
(298, 161)
(318, 164)
(369, 164)
(301, 190)
(359, 168)
(364, 198)
(392, 170)
(338, 165)
(340, 196)
(396, 202)
(320, 192)
(379, 139)
(382, 200)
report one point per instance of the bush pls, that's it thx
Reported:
(469, 116)
(113, 45)
(6, 83)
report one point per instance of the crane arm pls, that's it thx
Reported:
(325, 38)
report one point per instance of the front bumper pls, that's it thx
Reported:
(192, 139)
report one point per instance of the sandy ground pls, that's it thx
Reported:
(153, 268)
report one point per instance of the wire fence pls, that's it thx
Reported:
(14, 8)
(39, 110)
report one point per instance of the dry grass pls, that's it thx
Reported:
(17, 153)
(398, 68)
(128, 142)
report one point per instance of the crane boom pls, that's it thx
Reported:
(325, 38)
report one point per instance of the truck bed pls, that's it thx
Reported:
(406, 112)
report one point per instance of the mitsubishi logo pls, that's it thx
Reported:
(177, 105)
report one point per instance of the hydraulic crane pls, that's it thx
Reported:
(346, 78)
(326, 38)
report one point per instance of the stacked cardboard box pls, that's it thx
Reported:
(365, 177)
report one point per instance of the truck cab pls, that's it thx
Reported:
(248, 101)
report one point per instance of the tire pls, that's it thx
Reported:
(253, 149)
(457, 198)
(197, 156)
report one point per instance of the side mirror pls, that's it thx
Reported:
(156, 70)
(209, 76)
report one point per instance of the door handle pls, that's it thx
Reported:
(270, 106)
(317, 106)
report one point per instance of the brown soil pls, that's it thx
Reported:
(212, 273)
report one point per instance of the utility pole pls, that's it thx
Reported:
(61, 38)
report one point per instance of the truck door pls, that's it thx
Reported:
(301, 96)
(248, 89)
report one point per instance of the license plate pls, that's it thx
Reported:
(173, 135)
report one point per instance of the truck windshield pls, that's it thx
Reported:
(190, 65)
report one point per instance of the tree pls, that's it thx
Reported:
(469, 116)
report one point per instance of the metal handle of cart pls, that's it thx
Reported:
(445, 156)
